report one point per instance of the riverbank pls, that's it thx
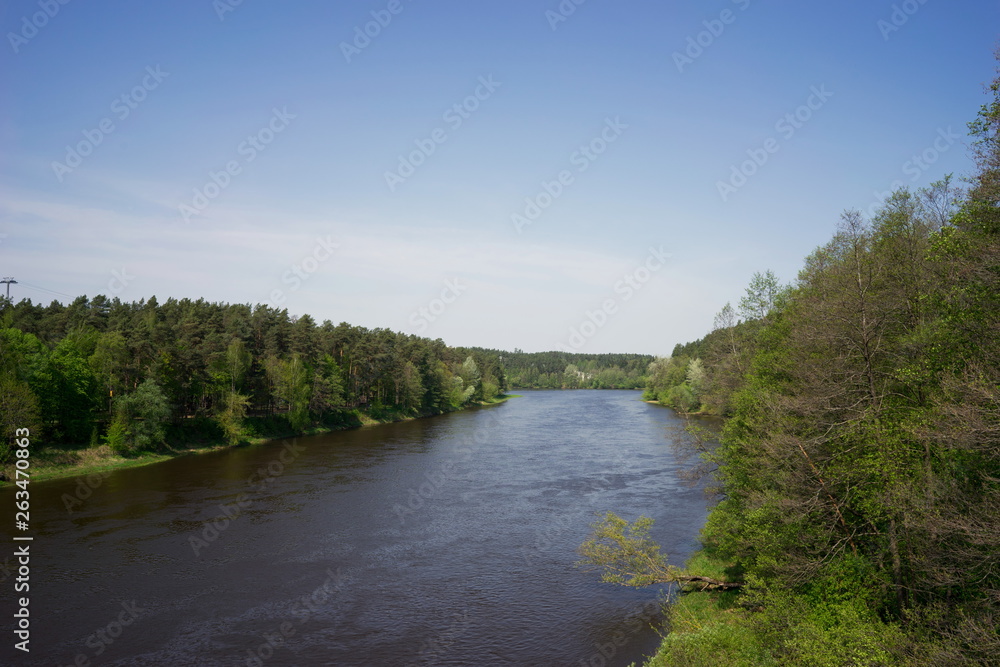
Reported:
(700, 412)
(61, 462)
(707, 627)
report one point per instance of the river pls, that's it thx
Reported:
(442, 541)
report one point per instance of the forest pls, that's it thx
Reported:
(858, 474)
(134, 376)
(565, 370)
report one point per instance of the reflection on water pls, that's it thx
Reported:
(444, 541)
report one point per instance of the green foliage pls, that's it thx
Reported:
(704, 375)
(18, 409)
(139, 419)
(470, 375)
(118, 437)
(328, 388)
(490, 387)
(292, 383)
(232, 417)
(677, 382)
(566, 370)
(706, 563)
(74, 357)
(572, 377)
(20, 352)
(681, 398)
(625, 553)
(825, 624)
(412, 388)
(709, 638)
(696, 379)
(238, 363)
(859, 465)
(110, 361)
(67, 391)
(822, 628)
(762, 296)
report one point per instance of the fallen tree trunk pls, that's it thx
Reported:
(630, 558)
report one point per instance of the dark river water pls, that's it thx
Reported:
(442, 541)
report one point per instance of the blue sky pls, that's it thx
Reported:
(504, 174)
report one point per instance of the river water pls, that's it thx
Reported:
(442, 541)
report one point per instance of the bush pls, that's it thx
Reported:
(784, 628)
(140, 418)
(231, 418)
(118, 437)
(681, 398)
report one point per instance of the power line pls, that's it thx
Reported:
(42, 289)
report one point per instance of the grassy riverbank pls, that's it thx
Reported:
(83, 460)
(825, 623)
(708, 628)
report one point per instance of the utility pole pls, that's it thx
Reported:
(8, 280)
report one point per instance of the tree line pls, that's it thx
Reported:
(133, 375)
(859, 468)
(703, 375)
(568, 370)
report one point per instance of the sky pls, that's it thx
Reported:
(585, 175)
